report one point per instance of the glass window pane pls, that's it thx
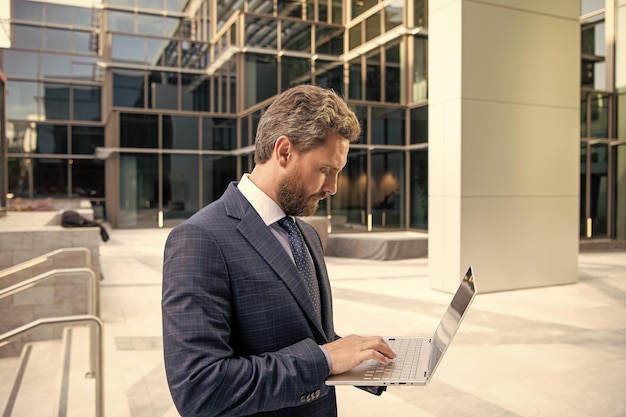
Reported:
(86, 103)
(261, 32)
(393, 74)
(219, 133)
(261, 73)
(21, 136)
(372, 27)
(150, 25)
(87, 178)
(60, 14)
(393, 15)
(56, 99)
(22, 100)
(19, 63)
(355, 83)
(150, 4)
(217, 172)
(388, 127)
(419, 13)
(419, 189)
(86, 68)
(81, 42)
(361, 114)
(139, 189)
(419, 125)
(139, 130)
(598, 191)
(361, 6)
(31, 11)
(50, 177)
(195, 96)
(155, 49)
(292, 8)
(180, 186)
(128, 48)
(163, 93)
(354, 36)
(86, 138)
(295, 71)
(329, 75)
(388, 189)
(128, 89)
(27, 37)
(19, 176)
(349, 204)
(57, 40)
(329, 40)
(121, 21)
(600, 116)
(180, 132)
(51, 139)
(372, 80)
(296, 36)
(56, 65)
(420, 65)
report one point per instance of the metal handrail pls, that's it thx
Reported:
(42, 258)
(95, 351)
(92, 307)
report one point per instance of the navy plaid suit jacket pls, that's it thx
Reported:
(240, 333)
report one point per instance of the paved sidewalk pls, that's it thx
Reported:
(555, 351)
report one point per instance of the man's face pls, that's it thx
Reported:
(312, 176)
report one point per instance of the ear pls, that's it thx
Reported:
(283, 150)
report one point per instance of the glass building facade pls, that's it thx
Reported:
(148, 108)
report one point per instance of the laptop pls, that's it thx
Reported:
(417, 356)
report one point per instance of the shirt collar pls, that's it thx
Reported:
(267, 208)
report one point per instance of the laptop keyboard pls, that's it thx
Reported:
(403, 367)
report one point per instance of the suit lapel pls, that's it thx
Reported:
(264, 242)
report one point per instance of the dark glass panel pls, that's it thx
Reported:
(387, 188)
(87, 103)
(337, 12)
(388, 126)
(291, 8)
(393, 78)
(372, 80)
(246, 134)
(196, 95)
(19, 63)
(295, 71)
(180, 132)
(86, 138)
(22, 100)
(163, 92)
(361, 114)
(329, 40)
(56, 99)
(296, 36)
(598, 191)
(349, 204)
(27, 37)
(355, 83)
(355, 36)
(419, 13)
(583, 117)
(128, 89)
(419, 125)
(19, 176)
(600, 112)
(419, 189)
(180, 186)
(420, 65)
(139, 130)
(219, 134)
(217, 172)
(261, 74)
(360, 6)
(258, 6)
(329, 75)
(310, 11)
(49, 177)
(583, 190)
(51, 139)
(88, 178)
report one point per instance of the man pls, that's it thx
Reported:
(244, 332)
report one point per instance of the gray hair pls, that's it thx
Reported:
(306, 114)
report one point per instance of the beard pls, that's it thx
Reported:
(292, 197)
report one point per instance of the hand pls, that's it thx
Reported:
(350, 351)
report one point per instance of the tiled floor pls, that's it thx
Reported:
(555, 351)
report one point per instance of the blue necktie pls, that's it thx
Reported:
(303, 260)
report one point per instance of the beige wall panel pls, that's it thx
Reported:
(508, 40)
(561, 8)
(519, 150)
(444, 215)
(444, 149)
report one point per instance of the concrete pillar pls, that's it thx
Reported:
(504, 87)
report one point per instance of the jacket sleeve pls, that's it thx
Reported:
(205, 376)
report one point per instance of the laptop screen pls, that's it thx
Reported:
(452, 318)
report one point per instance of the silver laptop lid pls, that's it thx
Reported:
(451, 319)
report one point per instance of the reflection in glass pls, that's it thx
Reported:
(87, 178)
(128, 88)
(139, 130)
(419, 189)
(27, 37)
(86, 103)
(420, 65)
(50, 177)
(180, 186)
(296, 36)
(86, 138)
(56, 100)
(387, 189)
(217, 172)
(23, 101)
(138, 190)
(261, 32)
(349, 204)
(51, 139)
(600, 116)
(219, 134)
(388, 126)
(180, 132)
(19, 174)
(19, 63)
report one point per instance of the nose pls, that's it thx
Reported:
(330, 185)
